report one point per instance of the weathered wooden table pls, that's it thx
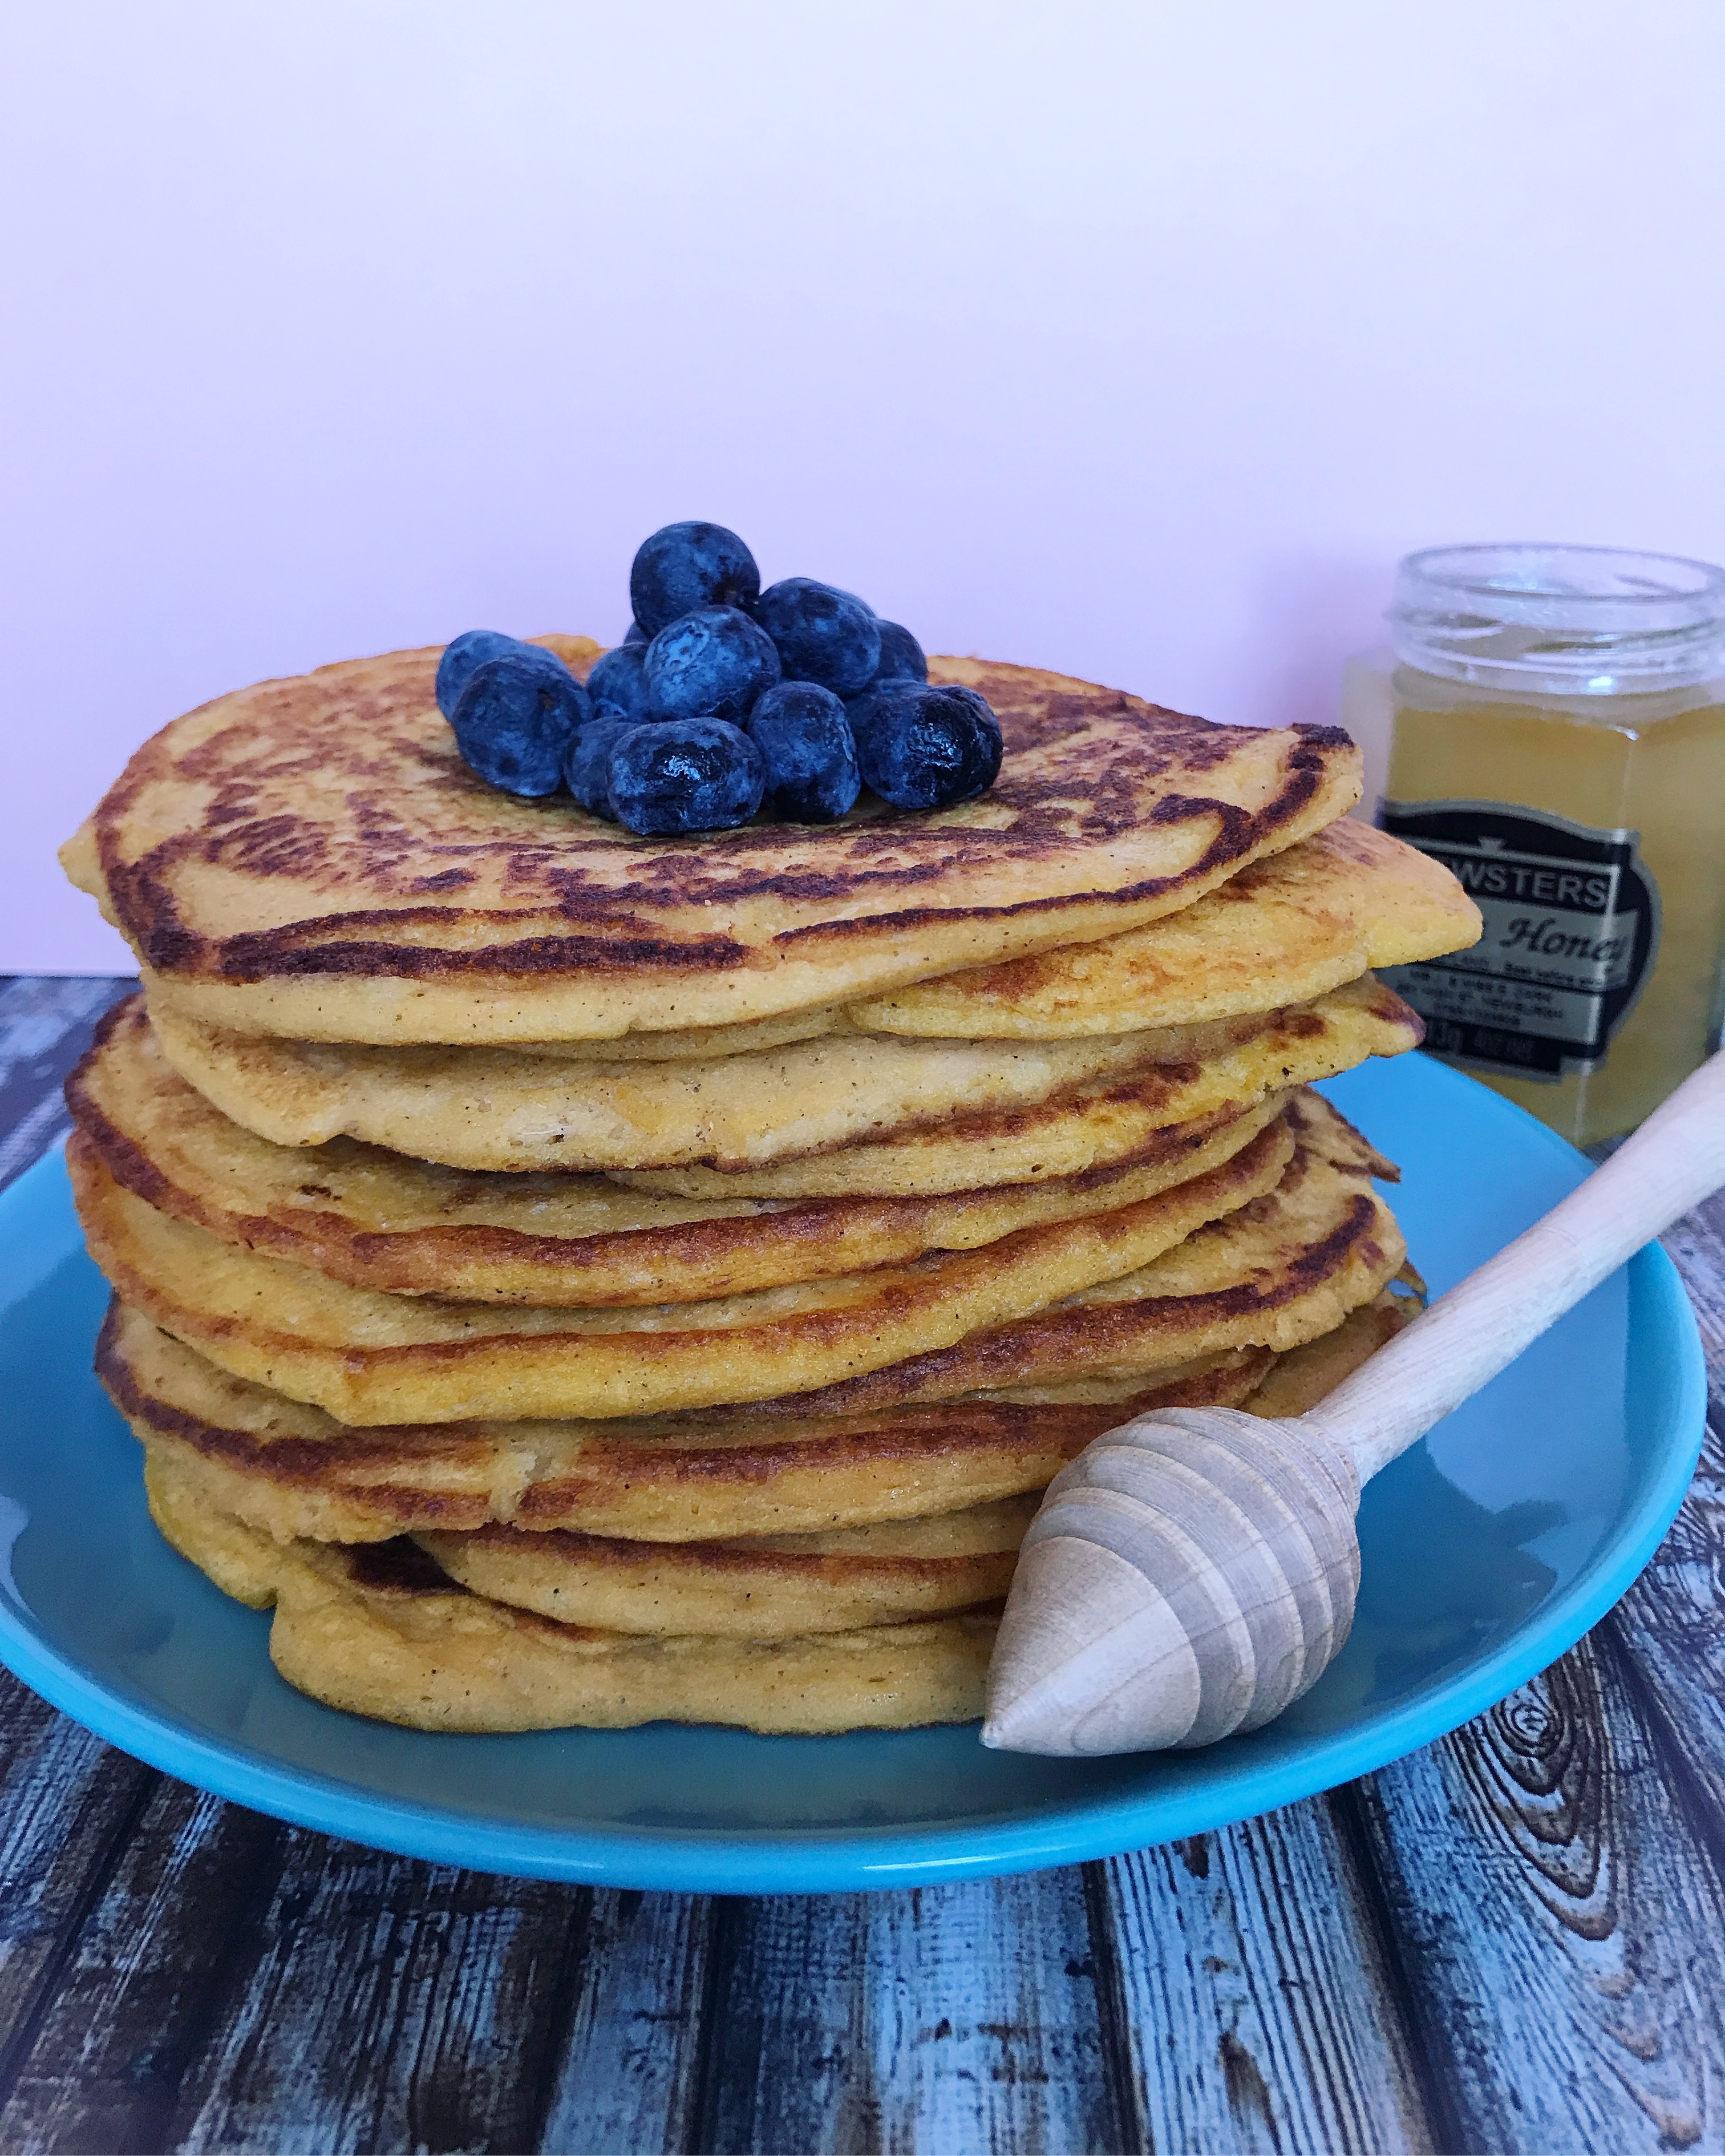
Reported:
(1514, 1940)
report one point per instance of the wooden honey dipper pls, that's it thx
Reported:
(1191, 1573)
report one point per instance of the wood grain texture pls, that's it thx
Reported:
(135, 2001)
(1248, 1997)
(1561, 1927)
(1696, 1247)
(960, 2017)
(386, 2004)
(68, 1805)
(628, 2076)
(45, 1025)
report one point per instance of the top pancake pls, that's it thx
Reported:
(1283, 931)
(1286, 930)
(311, 858)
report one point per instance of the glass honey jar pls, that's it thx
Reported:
(1556, 736)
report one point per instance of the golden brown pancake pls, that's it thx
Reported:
(311, 858)
(1276, 1273)
(385, 1630)
(1285, 1267)
(651, 1047)
(495, 1108)
(1281, 931)
(1300, 1379)
(1286, 929)
(382, 1631)
(377, 1358)
(378, 1220)
(749, 1587)
(291, 1471)
(752, 1126)
(833, 1578)
(1105, 1123)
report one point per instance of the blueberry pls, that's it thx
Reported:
(516, 718)
(710, 664)
(689, 775)
(637, 634)
(822, 634)
(586, 767)
(473, 648)
(805, 740)
(922, 747)
(686, 566)
(901, 657)
(617, 678)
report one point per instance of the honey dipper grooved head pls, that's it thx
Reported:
(1188, 1577)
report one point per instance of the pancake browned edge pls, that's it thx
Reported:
(1086, 1128)
(829, 1579)
(485, 1108)
(379, 1358)
(517, 1114)
(1283, 931)
(291, 1471)
(768, 1586)
(383, 1631)
(1276, 1272)
(749, 1587)
(311, 859)
(377, 1219)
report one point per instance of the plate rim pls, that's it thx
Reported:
(819, 1860)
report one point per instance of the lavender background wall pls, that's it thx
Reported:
(1136, 340)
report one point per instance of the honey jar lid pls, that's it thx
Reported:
(1572, 620)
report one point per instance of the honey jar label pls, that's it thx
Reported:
(1571, 933)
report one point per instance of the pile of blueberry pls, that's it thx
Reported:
(723, 700)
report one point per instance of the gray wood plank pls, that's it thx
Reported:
(1254, 2011)
(628, 2079)
(67, 1808)
(958, 2017)
(1561, 1929)
(387, 2005)
(1696, 1246)
(45, 1025)
(1670, 1628)
(136, 1997)
(334, 2050)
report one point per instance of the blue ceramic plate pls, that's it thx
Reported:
(1488, 1550)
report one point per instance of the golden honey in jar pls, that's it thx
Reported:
(1556, 739)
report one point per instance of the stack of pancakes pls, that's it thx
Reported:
(583, 1279)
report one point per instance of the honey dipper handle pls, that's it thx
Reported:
(1676, 1159)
